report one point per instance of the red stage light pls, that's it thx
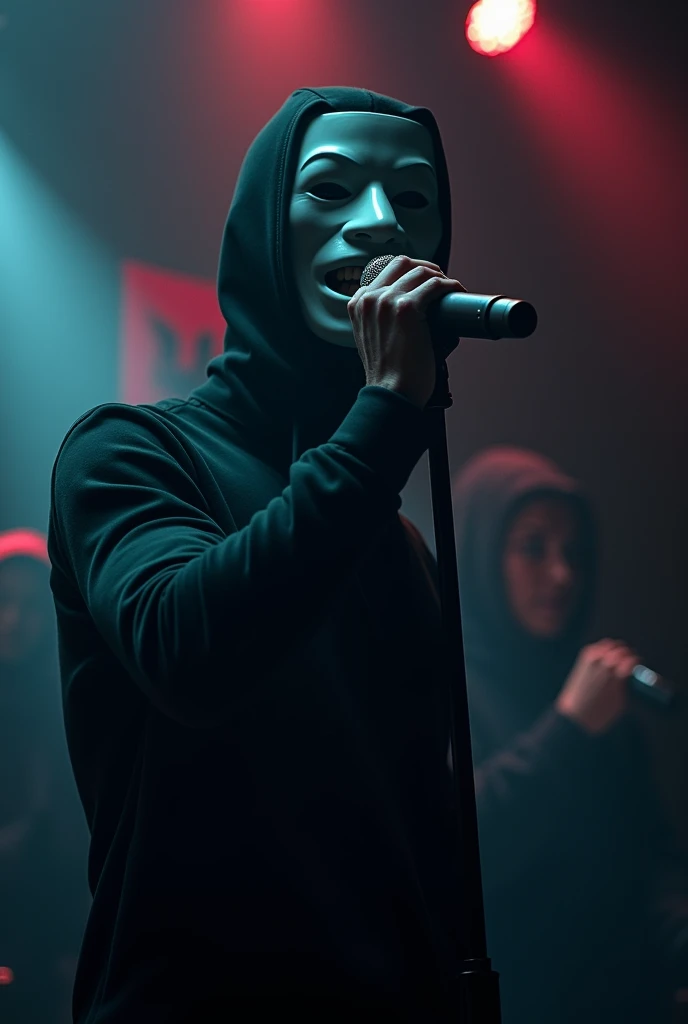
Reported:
(6, 975)
(495, 26)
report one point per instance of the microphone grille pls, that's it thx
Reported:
(375, 267)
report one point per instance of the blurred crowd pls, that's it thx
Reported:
(43, 841)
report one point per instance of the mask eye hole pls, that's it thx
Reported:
(329, 190)
(411, 200)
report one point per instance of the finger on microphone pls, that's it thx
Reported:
(626, 666)
(386, 269)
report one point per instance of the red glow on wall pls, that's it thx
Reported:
(285, 44)
(495, 26)
(171, 328)
(616, 151)
(6, 975)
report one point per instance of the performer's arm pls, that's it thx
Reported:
(517, 787)
(525, 791)
(531, 794)
(197, 617)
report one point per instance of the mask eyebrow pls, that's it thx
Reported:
(399, 165)
(413, 162)
(323, 154)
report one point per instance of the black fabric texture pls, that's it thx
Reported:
(249, 648)
(578, 868)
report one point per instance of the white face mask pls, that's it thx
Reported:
(365, 186)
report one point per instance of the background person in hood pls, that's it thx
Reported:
(249, 635)
(42, 906)
(587, 909)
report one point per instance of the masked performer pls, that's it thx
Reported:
(255, 708)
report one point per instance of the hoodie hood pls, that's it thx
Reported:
(22, 686)
(488, 493)
(283, 389)
(28, 547)
(24, 543)
(30, 712)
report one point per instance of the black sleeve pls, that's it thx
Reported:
(525, 791)
(522, 790)
(197, 617)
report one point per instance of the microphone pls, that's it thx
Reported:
(655, 688)
(468, 314)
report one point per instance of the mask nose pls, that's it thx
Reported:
(374, 220)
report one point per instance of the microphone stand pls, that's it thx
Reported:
(475, 988)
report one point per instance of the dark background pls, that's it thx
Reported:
(122, 127)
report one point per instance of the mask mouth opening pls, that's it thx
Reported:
(344, 281)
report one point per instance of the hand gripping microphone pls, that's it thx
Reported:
(469, 315)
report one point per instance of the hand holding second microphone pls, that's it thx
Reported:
(595, 694)
(391, 330)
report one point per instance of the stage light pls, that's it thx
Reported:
(495, 26)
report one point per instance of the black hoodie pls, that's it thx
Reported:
(249, 635)
(582, 898)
